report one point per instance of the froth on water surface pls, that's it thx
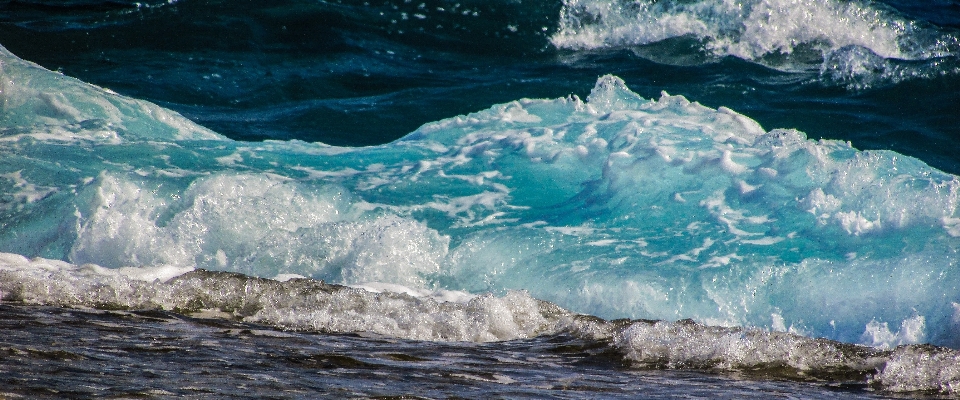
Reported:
(267, 332)
(60, 353)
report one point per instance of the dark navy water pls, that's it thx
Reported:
(368, 72)
(802, 268)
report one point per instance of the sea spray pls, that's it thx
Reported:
(303, 304)
(857, 44)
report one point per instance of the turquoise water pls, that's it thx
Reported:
(777, 176)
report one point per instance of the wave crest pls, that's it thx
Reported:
(789, 35)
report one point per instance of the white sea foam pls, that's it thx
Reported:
(440, 295)
(255, 224)
(685, 344)
(849, 41)
(400, 312)
(689, 345)
(746, 29)
(294, 304)
(921, 369)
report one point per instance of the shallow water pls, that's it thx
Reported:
(63, 353)
(792, 203)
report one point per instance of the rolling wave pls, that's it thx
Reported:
(858, 44)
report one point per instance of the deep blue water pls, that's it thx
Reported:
(496, 171)
(360, 73)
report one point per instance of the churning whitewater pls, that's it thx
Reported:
(525, 219)
(855, 44)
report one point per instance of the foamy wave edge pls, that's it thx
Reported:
(303, 304)
(857, 44)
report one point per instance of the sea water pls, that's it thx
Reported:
(530, 205)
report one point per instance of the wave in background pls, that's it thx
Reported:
(308, 70)
(854, 43)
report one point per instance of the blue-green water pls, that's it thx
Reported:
(368, 72)
(774, 171)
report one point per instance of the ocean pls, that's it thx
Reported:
(480, 199)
